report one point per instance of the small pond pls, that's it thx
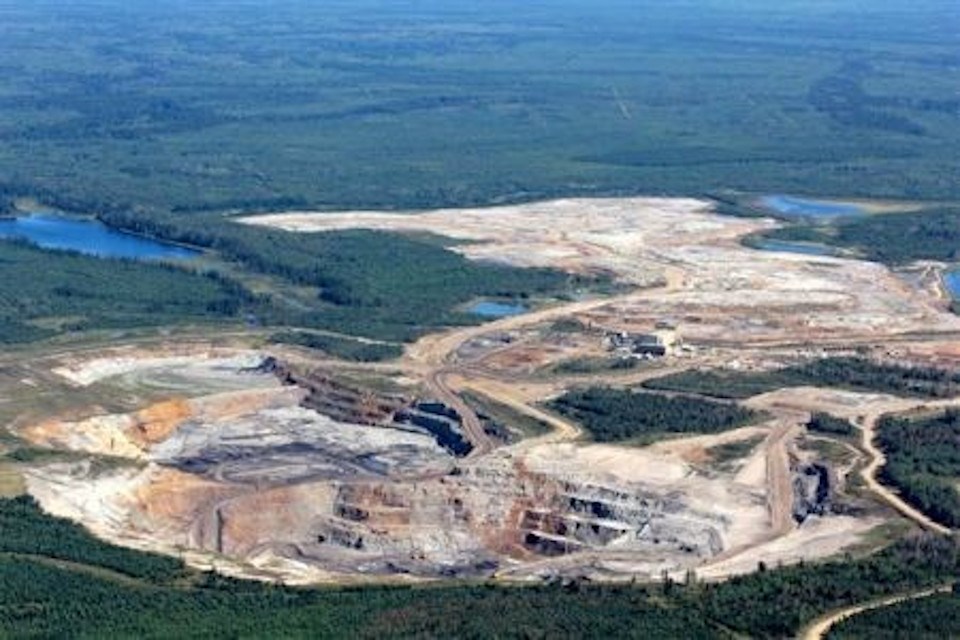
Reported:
(806, 248)
(89, 236)
(951, 279)
(489, 309)
(802, 207)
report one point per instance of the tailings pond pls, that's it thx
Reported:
(89, 236)
(793, 207)
(489, 309)
(951, 280)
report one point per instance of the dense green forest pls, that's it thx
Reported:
(923, 462)
(931, 618)
(343, 348)
(856, 374)
(43, 293)
(892, 238)
(185, 106)
(89, 589)
(610, 414)
(821, 422)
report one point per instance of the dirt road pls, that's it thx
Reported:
(436, 352)
(779, 478)
(877, 460)
(821, 627)
(510, 396)
(437, 384)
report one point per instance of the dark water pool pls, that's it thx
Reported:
(489, 309)
(803, 207)
(88, 236)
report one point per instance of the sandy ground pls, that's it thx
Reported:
(735, 293)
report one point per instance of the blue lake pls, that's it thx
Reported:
(496, 309)
(89, 236)
(952, 280)
(791, 206)
(806, 248)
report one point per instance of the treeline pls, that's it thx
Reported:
(856, 374)
(893, 239)
(609, 415)
(26, 530)
(822, 422)
(930, 618)
(344, 348)
(47, 598)
(923, 462)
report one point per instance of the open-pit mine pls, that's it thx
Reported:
(281, 463)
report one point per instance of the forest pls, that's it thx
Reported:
(90, 589)
(611, 415)
(923, 462)
(930, 618)
(43, 293)
(853, 373)
(825, 423)
(190, 107)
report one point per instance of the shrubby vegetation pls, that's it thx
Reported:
(44, 596)
(26, 530)
(923, 462)
(610, 415)
(856, 374)
(930, 618)
(821, 422)
(343, 348)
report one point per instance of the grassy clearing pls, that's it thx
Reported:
(517, 423)
(726, 456)
(11, 481)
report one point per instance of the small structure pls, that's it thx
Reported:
(663, 341)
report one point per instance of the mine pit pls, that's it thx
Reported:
(307, 471)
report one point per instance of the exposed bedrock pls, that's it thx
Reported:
(488, 516)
